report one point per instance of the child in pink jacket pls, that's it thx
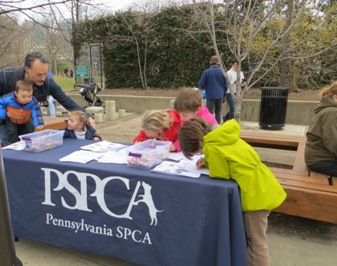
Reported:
(188, 104)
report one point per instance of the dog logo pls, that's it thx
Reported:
(148, 200)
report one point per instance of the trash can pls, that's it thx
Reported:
(273, 108)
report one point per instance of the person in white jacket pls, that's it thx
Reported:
(232, 77)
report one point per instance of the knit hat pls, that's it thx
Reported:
(214, 60)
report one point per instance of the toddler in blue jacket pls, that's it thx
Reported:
(20, 111)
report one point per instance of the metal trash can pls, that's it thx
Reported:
(273, 108)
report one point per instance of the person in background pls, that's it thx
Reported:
(79, 128)
(51, 105)
(71, 73)
(66, 72)
(214, 83)
(321, 147)
(17, 109)
(161, 125)
(227, 156)
(35, 71)
(231, 92)
(188, 104)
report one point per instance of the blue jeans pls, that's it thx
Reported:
(214, 106)
(51, 106)
(3, 133)
(324, 167)
(231, 105)
(15, 130)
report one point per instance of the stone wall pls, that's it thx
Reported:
(298, 112)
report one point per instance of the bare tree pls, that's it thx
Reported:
(284, 60)
(25, 7)
(14, 36)
(142, 19)
(12, 44)
(246, 25)
(67, 16)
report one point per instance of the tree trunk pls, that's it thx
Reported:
(286, 46)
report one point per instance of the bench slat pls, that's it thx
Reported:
(308, 203)
(289, 174)
(299, 163)
(307, 196)
(307, 185)
(53, 123)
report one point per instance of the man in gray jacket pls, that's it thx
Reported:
(35, 70)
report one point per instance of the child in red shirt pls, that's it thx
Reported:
(161, 125)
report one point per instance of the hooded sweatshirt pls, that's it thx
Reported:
(321, 142)
(228, 156)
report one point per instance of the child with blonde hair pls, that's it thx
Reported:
(79, 128)
(188, 104)
(227, 156)
(161, 125)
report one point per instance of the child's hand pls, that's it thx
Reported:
(39, 127)
(96, 138)
(200, 163)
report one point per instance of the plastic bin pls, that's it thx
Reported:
(148, 154)
(42, 140)
(273, 108)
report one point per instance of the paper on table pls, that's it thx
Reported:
(190, 165)
(103, 146)
(176, 156)
(81, 156)
(18, 146)
(113, 157)
(173, 168)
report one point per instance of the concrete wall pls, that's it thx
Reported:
(298, 112)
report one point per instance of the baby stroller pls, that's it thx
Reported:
(89, 94)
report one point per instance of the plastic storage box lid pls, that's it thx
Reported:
(147, 154)
(42, 140)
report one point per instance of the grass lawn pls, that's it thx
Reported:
(67, 84)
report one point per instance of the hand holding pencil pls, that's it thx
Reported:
(200, 163)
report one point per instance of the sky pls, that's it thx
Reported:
(115, 5)
(104, 6)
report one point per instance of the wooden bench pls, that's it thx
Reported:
(54, 122)
(309, 194)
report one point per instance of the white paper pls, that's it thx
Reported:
(18, 146)
(173, 168)
(103, 146)
(176, 156)
(191, 165)
(81, 156)
(113, 157)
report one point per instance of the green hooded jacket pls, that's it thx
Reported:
(228, 156)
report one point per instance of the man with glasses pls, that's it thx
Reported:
(35, 70)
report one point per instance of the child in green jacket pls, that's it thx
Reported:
(229, 157)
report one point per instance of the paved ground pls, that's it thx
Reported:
(292, 241)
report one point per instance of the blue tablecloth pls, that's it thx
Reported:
(113, 210)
